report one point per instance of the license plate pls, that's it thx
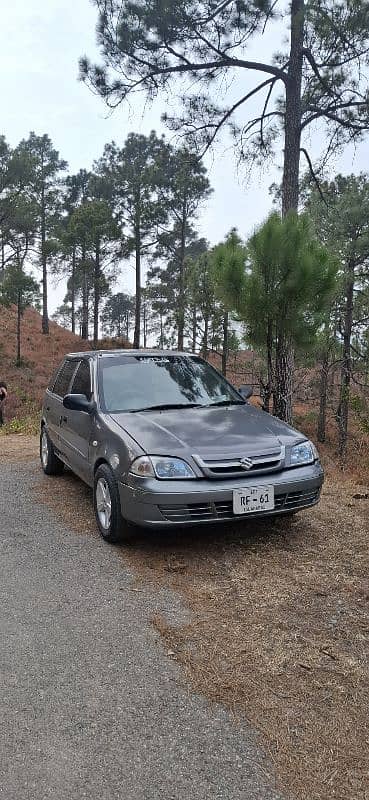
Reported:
(255, 498)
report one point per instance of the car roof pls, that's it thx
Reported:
(132, 353)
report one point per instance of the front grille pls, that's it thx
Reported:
(197, 512)
(232, 467)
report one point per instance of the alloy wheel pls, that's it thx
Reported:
(103, 503)
(44, 449)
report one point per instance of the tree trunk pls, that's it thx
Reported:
(144, 325)
(205, 342)
(96, 292)
(282, 407)
(290, 182)
(2, 251)
(225, 343)
(45, 315)
(290, 194)
(181, 296)
(137, 333)
(194, 329)
(323, 391)
(84, 327)
(268, 389)
(19, 315)
(73, 289)
(343, 408)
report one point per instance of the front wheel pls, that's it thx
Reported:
(50, 462)
(112, 526)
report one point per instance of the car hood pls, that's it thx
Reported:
(233, 430)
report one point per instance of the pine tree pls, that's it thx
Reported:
(93, 225)
(342, 223)
(283, 294)
(16, 287)
(44, 189)
(155, 48)
(117, 314)
(185, 189)
(133, 173)
(228, 263)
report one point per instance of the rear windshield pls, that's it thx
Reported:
(131, 383)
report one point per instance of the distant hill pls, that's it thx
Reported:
(40, 354)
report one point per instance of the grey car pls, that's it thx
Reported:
(165, 440)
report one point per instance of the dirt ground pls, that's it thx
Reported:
(18, 448)
(279, 627)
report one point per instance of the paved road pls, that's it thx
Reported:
(91, 706)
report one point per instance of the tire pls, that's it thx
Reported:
(50, 462)
(112, 526)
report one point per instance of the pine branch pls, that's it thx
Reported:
(270, 82)
(179, 69)
(313, 174)
(324, 83)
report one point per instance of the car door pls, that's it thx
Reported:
(51, 409)
(54, 402)
(76, 425)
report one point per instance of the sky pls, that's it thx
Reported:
(40, 44)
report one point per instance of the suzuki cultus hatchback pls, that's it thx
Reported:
(165, 440)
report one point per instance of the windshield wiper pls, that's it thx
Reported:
(168, 407)
(226, 403)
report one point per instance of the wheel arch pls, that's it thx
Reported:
(99, 462)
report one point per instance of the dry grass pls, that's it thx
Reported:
(279, 628)
(280, 634)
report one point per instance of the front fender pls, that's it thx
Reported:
(109, 446)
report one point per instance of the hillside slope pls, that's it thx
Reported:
(40, 355)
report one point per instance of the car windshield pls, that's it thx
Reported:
(140, 383)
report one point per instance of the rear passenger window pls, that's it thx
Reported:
(64, 378)
(53, 379)
(82, 380)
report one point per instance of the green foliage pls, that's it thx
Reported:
(43, 190)
(93, 224)
(289, 281)
(342, 222)
(15, 174)
(19, 289)
(228, 260)
(135, 178)
(117, 314)
(43, 181)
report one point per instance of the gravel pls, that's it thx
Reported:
(91, 704)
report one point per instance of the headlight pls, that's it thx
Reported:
(161, 467)
(303, 453)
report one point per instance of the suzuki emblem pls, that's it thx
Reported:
(246, 463)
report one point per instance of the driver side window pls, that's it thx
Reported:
(82, 380)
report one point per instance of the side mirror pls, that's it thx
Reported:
(78, 402)
(246, 391)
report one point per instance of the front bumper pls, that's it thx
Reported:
(153, 503)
